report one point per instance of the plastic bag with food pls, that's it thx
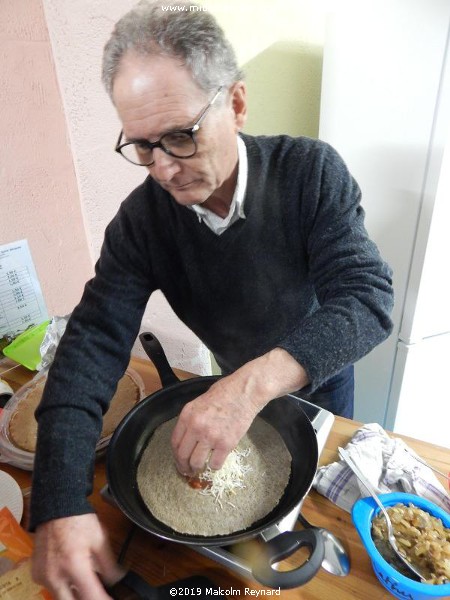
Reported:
(16, 548)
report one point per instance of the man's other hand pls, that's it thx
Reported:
(72, 557)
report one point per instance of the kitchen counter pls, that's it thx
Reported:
(159, 561)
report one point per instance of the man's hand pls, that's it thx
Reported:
(72, 557)
(210, 426)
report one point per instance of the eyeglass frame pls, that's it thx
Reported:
(158, 144)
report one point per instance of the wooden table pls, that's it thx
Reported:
(160, 562)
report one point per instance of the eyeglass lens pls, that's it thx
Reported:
(177, 143)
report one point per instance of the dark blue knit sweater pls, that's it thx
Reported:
(299, 272)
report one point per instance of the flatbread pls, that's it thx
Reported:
(171, 500)
(126, 396)
(23, 425)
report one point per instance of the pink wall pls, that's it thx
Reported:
(39, 192)
(78, 31)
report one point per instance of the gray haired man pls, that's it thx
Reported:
(258, 244)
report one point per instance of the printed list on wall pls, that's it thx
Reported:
(22, 304)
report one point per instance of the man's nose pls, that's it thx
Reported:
(164, 167)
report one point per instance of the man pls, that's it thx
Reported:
(258, 245)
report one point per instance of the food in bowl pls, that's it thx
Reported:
(421, 538)
(404, 587)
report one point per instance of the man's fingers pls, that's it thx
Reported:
(61, 592)
(210, 426)
(178, 434)
(86, 584)
(183, 454)
(217, 458)
(201, 456)
(106, 565)
(72, 557)
(199, 459)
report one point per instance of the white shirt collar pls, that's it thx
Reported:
(213, 221)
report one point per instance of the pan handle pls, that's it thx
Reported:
(281, 547)
(155, 352)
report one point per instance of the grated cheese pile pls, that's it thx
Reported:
(228, 479)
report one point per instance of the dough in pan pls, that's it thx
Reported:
(186, 510)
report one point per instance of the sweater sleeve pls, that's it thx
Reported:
(92, 355)
(352, 283)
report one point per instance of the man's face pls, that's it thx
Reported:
(156, 95)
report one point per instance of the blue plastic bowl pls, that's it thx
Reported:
(398, 585)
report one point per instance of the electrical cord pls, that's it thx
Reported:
(131, 586)
(126, 544)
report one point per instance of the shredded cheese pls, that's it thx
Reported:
(225, 481)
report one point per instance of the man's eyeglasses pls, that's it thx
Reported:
(180, 143)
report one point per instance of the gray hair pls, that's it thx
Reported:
(186, 31)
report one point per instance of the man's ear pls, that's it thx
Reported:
(239, 104)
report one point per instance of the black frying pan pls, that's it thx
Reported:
(135, 430)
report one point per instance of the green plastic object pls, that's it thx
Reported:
(25, 348)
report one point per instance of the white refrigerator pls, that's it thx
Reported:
(385, 107)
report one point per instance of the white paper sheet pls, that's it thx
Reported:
(22, 304)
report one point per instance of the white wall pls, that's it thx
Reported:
(427, 306)
(382, 72)
(419, 403)
(420, 386)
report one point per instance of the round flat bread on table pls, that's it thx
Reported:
(23, 425)
(128, 393)
(246, 489)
